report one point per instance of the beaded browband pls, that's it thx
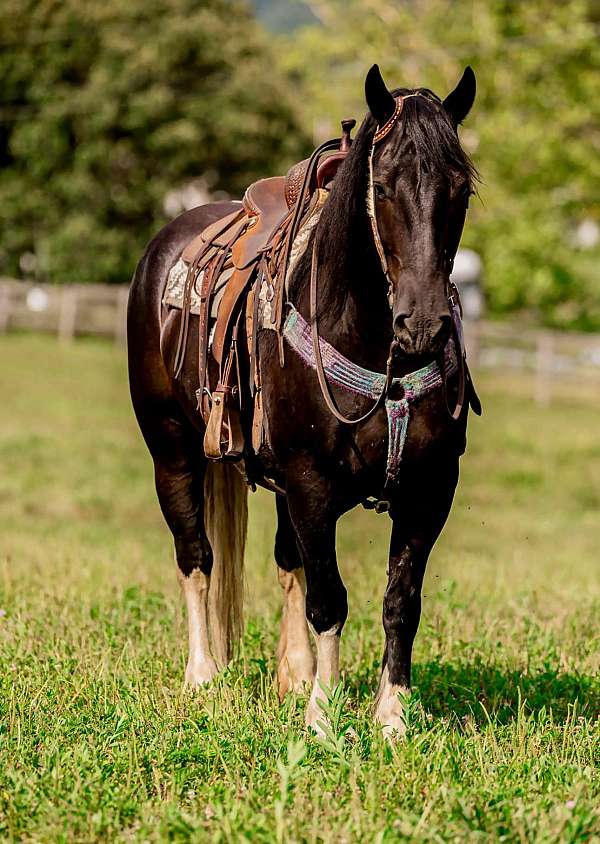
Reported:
(389, 124)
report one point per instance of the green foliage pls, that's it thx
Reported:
(534, 131)
(98, 742)
(283, 16)
(106, 107)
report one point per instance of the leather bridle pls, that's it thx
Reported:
(453, 298)
(321, 374)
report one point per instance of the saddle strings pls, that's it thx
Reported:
(293, 230)
(190, 281)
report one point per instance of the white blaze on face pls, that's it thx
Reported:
(389, 710)
(201, 667)
(296, 666)
(328, 674)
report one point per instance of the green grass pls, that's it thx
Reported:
(99, 743)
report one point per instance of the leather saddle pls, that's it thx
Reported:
(247, 247)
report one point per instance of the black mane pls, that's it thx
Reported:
(343, 236)
(425, 122)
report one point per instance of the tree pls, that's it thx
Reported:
(534, 132)
(106, 107)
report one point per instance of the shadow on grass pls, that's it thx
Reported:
(460, 689)
(456, 689)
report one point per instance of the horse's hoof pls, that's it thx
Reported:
(389, 708)
(315, 719)
(317, 725)
(393, 733)
(200, 674)
(299, 681)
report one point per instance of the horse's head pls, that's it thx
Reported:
(422, 181)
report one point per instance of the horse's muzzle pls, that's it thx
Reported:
(419, 336)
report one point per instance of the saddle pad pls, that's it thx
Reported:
(174, 290)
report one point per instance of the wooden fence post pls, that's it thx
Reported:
(67, 315)
(4, 305)
(121, 314)
(544, 353)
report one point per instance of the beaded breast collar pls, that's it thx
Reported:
(352, 378)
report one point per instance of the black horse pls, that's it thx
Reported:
(380, 260)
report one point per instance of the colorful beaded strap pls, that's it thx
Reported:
(355, 379)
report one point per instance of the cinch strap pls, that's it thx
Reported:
(354, 379)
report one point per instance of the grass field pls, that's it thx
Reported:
(99, 743)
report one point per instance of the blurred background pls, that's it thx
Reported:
(115, 117)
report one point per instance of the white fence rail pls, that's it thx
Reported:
(100, 309)
(551, 357)
(64, 309)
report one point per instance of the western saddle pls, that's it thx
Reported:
(245, 255)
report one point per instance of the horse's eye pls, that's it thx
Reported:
(464, 193)
(379, 191)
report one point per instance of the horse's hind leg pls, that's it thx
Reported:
(296, 664)
(180, 488)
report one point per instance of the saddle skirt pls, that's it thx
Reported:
(175, 289)
(173, 296)
(234, 276)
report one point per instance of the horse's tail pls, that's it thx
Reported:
(226, 520)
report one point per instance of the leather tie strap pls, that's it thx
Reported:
(295, 220)
(193, 272)
(387, 127)
(459, 345)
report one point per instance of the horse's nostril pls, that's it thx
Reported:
(400, 323)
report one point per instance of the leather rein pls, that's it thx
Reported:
(454, 307)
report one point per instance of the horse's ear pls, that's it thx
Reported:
(381, 103)
(458, 103)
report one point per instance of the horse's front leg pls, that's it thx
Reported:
(417, 522)
(310, 507)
